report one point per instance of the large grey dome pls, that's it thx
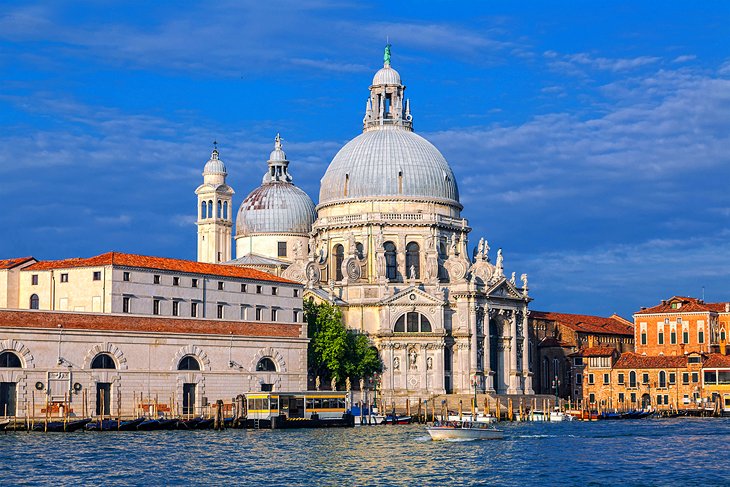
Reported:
(280, 208)
(388, 162)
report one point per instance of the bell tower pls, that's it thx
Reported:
(215, 219)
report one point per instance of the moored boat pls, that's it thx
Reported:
(463, 430)
(61, 426)
(114, 425)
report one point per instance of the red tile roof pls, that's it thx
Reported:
(717, 360)
(630, 360)
(124, 323)
(614, 325)
(158, 263)
(597, 352)
(10, 263)
(688, 305)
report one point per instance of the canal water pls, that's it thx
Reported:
(639, 452)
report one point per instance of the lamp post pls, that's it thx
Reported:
(474, 382)
(556, 386)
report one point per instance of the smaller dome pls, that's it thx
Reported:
(386, 76)
(278, 208)
(214, 165)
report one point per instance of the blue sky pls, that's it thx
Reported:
(590, 140)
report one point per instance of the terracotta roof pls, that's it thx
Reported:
(630, 360)
(614, 325)
(717, 360)
(597, 352)
(158, 263)
(689, 305)
(149, 324)
(10, 263)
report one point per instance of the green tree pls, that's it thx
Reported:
(335, 351)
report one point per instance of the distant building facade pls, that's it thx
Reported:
(681, 361)
(559, 339)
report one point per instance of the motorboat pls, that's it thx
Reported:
(396, 419)
(463, 430)
(558, 415)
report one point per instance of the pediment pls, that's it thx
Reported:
(504, 289)
(412, 296)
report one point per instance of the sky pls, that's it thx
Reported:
(590, 140)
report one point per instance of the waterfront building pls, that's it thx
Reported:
(123, 364)
(387, 244)
(682, 324)
(681, 361)
(562, 337)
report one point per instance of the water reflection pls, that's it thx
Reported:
(650, 452)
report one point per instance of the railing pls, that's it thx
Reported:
(391, 217)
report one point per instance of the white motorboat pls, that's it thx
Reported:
(463, 430)
(558, 415)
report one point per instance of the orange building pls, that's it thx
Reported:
(559, 336)
(681, 325)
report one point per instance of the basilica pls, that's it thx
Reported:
(387, 244)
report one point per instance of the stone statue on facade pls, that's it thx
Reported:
(311, 246)
(485, 253)
(298, 250)
(429, 363)
(317, 383)
(524, 284)
(348, 384)
(452, 246)
(413, 357)
(512, 279)
(500, 263)
(333, 383)
(396, 363)
(362, 384)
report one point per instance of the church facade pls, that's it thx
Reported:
(388, 245)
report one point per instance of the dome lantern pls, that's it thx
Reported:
(386, 104)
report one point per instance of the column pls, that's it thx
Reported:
(488, 374)
(514, 379)
(526, 372)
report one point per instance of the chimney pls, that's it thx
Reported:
(727, 307)
(643, 308)
(664, 301)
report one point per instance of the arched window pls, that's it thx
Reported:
(103, 361)
(266, 365)
(359, 250)
(632, 379)
(220, 209)
(391, 262)
(188, 363)
(413, 261)
(338, 256)
(412, 322)
(225, 210)
(34, 301)
(203, 211)
(722, 335)
(210, 209)
(10, 360)
(662, 379)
